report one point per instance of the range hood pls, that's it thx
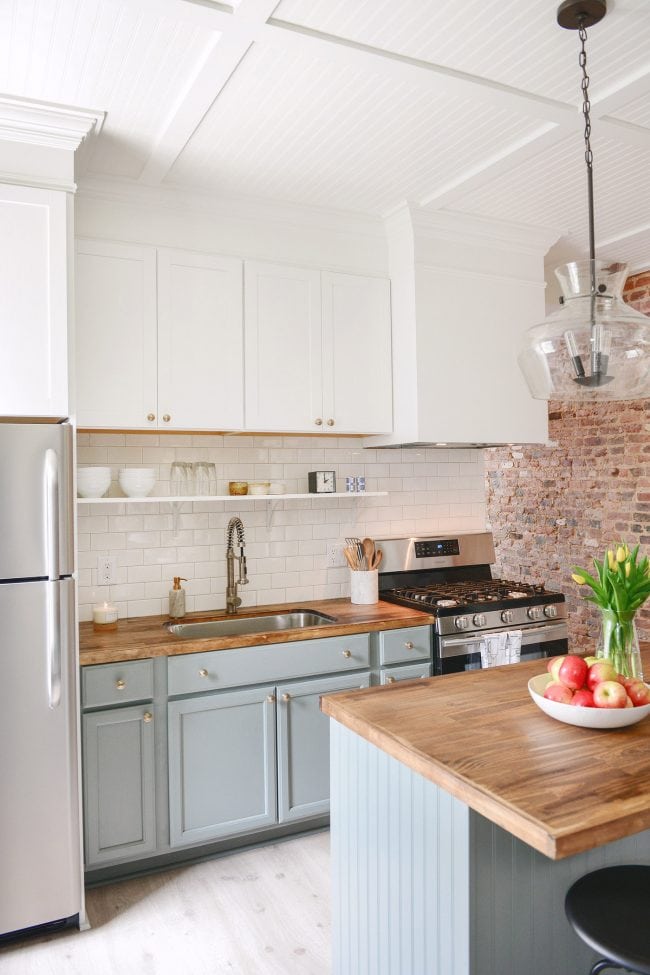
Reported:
(463, 292)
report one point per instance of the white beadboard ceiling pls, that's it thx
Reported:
(359, 105)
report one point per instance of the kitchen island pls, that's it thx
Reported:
(460, 816)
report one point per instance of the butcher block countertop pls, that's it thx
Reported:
(561, 789)
(146, 636)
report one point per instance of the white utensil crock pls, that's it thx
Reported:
(364, 586)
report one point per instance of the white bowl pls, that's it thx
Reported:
(93, 482)
(583, 717)
(137, 483)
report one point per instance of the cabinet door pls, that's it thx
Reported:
(116, 368)
(357, 365)
(33, 293)
(200, 341)
(389, 675)
(119, 784)
(283, 348)
(221, 765)
(303, 746)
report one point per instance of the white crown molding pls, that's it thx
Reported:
(465, 228)
(237, 208)
(38, 182)
(46, 124)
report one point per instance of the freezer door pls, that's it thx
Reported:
(35, 500)
(40, 866)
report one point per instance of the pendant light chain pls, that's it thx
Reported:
(589, 156)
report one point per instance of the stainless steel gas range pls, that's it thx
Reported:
(479, 621)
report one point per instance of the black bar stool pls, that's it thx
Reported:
(610, 910)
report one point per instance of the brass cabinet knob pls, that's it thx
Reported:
(120, 684)
(147, 717)
(270, 699)
(346, 653)
(286, 697)
(166, 417)
(151, 417)
(391, 680)
(318, 421)
(409, 645)
(330, 422)
(203, 672)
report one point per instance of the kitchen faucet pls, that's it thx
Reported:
(232, 599)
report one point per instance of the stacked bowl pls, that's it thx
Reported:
(137, 482)
(93, 482)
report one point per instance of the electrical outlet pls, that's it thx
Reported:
(335, 558)
(106, 570)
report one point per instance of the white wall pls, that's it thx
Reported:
(429, 491)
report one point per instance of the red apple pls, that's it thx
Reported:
(572, 671)
(558, 692)
(551, 661)
(601, 671)
(583, 699)
(554, 669)
(638, 693)
(590, 660)
(610, 694)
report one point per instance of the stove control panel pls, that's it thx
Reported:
(433, 547)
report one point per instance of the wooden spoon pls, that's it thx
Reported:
(368, 552)
(350, 558)
(377, 559)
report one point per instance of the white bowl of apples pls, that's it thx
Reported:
(587, 692)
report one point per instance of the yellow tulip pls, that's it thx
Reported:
(578, 579)
(628, 569)
(611, 560)
(620, 554)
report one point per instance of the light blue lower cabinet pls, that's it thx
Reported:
(389, 675)
(119, 784)
(303, 745)
(222, 773)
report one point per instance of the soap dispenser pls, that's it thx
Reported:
(177, 598)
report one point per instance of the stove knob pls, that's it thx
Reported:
(550, 611)
(534, 612)
(461, 622)
(479, 620)
(506, 616)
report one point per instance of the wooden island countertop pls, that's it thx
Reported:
(139, 638)
(479, 736)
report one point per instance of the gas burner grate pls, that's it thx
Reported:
(468, 593)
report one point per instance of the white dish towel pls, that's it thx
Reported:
(501, 648)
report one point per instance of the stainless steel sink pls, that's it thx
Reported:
(234, 626)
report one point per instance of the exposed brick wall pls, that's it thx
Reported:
(554, 507)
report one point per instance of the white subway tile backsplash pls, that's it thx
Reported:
(429, 490)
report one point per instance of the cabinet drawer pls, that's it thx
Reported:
(402, 646)
(107, 684)
(391, 674)
(199, 672)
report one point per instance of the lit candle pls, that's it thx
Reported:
(105, 615)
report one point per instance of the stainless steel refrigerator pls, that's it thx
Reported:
(40, 873)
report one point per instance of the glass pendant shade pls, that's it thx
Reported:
(595, 347)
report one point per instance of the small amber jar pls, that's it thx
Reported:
(238, 487)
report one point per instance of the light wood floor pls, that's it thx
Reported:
(251, 913)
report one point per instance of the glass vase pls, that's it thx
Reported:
(619, 643)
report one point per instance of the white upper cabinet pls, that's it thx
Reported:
(200, 350)
(33, 298)
(357, 378)
(317, 351)
(115, 290)
(159, 338)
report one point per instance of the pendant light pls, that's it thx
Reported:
(595, 347)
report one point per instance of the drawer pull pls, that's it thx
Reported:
(151, 417)
(286, 697)
(166, 417)
(391, 680)
(270, 699)
(409, 645)
(318, 421)
(147, 717)
(346, 653)
(203, 672)
(330, 422)
(120, 684)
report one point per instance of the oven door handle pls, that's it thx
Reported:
(530, 634)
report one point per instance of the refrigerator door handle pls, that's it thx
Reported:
(51, 486)
(53, 644)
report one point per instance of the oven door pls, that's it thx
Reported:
(453, 654)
